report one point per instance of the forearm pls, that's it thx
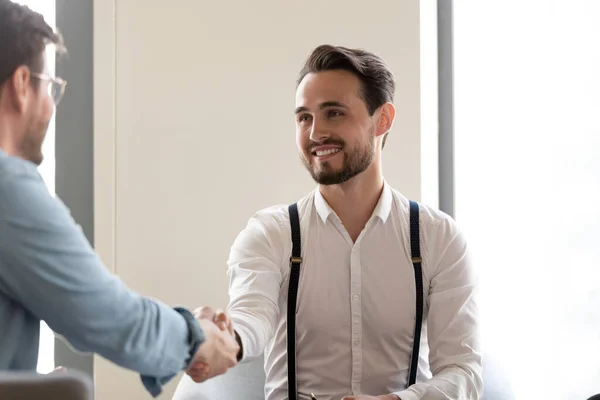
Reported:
(149, 337)
(253, 329)
(105, 317)
(133, 331)
(253, 308)
(130, 330)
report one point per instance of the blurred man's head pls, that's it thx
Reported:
(344, 112)
(28, 93)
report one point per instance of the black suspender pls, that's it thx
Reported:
(415, 251)
(296, 260)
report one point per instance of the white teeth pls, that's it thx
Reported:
(321, 153)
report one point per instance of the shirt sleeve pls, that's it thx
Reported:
(49, 267)
(452, 322)
(255, 279)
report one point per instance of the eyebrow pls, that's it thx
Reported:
(322, 106)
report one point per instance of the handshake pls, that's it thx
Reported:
(220, 349)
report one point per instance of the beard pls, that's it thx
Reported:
(33, 139)
(355, 161)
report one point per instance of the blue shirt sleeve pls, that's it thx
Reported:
(51, 269)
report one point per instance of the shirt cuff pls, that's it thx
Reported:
(407, 395)
(154, 385)
(243, 335)
(195, 338)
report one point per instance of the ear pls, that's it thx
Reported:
(18, 88)
(387, 113)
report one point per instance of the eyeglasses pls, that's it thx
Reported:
(56, 86)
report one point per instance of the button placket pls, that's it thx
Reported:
(356, 310)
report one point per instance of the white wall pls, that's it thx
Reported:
(194, 131)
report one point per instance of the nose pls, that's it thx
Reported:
(317, 132)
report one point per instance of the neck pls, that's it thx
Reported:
(354, 201)
(7, 144)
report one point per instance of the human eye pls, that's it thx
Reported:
(302, 118)
(334, 113)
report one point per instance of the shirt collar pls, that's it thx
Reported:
(384, 205)
(12, 162)
(322, 206)
(382, 209)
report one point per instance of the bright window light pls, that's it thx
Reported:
(527, 137)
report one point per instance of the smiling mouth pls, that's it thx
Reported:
(323, 153)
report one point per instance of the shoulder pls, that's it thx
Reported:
(440, 235)
(443, 245)
(17, 175)
(431, 219)
(29, 214)
(270, 227)
(24, 194)
(275, 220)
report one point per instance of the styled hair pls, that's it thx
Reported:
(24, 35)
(376, 79)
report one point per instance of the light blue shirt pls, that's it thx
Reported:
(49, 271)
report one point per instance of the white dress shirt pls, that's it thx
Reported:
(356, 303)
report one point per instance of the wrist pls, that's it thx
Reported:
(240, 353)
(195, 333)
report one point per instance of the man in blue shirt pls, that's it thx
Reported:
(48, 270)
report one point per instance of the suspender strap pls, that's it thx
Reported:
(415, 250)
(295, 262)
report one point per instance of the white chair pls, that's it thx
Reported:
(496, 385)
(244, 381)
(70, 385)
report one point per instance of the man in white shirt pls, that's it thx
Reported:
(355, 308)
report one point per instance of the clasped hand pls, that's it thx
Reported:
(219, 350)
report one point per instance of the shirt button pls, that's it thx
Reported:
(356, 388)
(356, 342)
(355, 297)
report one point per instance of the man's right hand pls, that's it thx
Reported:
(217, 353)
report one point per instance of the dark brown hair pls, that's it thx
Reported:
(24, 35)
(377, 80)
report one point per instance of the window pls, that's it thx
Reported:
(48, 9)
(429, 102)
(527, 181)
